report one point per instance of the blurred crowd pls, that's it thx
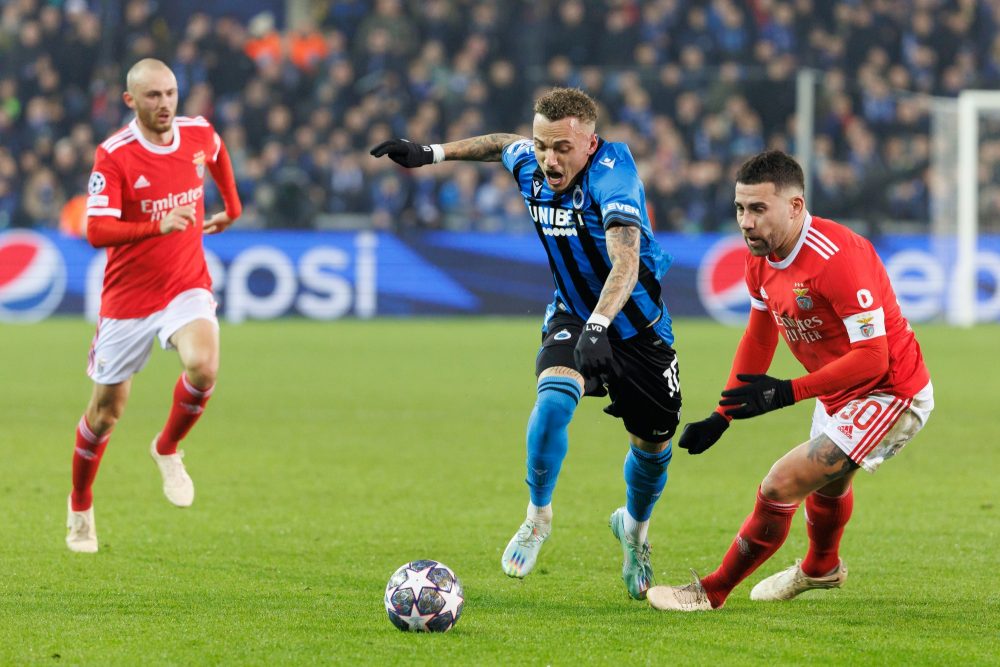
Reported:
(693, 86)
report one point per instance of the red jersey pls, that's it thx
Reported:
(137, 181)
(830, 292)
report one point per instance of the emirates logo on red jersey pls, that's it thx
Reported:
(157, 209)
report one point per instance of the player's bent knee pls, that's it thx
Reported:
(649, 446)
(647, 436)
(202, 372)
(554, 412)
(783, 486)
(554, 408)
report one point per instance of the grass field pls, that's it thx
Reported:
(333, 453)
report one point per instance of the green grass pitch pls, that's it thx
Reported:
(334, 452)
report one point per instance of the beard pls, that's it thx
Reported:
(152, 120)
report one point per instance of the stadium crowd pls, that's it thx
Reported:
(693, 86)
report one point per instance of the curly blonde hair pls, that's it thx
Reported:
(561, 103)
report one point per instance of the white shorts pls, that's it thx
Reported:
(121, 348)
(874, 428)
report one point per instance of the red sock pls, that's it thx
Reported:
(763, 532)
(189, 403)
(826, 517)
(86, 459)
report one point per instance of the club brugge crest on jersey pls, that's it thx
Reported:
(199, 163)
(802, 298)
(577, 197)
(32, 277)
(867, 328)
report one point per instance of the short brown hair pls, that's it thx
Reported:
(772, 167)
(561, 103)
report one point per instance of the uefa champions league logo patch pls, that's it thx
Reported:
(97, 183)
(802, 298)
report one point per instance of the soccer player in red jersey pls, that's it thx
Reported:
(146, 206)
(821, 287)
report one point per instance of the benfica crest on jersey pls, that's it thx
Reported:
(802, 298)
(867, 328)
(199, 163)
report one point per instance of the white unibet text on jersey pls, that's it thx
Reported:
(796, 329)
(564, 218)
(158, 208)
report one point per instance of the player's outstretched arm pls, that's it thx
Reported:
(593, 354)
(485, 148)
(753, 355)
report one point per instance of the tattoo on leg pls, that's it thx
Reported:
(824, 451)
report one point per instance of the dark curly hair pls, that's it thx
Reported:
(561, 103)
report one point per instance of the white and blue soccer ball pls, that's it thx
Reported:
(424, 596)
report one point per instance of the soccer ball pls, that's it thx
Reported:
(424, 596)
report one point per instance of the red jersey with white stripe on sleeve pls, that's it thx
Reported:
(138, 181)
(831, 291)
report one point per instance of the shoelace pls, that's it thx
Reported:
(526, 535)
(80, 526)
(641, 552)
(691, 595)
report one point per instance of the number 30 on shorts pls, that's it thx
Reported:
(863, 413)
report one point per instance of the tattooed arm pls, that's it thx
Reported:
(623, 249)
(485, 148)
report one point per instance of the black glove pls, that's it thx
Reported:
(763, 393)
(593, 355)
(699, 436)
(404, 152)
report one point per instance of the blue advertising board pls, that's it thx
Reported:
(329, 275)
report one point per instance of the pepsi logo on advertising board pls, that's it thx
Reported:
(721, 287)
(32, 276)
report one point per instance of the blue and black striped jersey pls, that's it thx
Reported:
(572, 226)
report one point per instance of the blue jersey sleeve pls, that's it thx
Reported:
(615, 186)
(518, 154)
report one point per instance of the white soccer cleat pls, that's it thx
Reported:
(789, 583)
(519, 557)
(177, 484)
(691, 597)
(637, 571)
(81, 531)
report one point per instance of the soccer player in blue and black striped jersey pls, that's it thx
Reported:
(607, 330)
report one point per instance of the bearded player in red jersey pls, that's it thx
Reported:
(825, 290)
(146, 206)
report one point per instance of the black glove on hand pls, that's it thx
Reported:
(699, 436)
(763, 393)
(404, 152)
(593, 355)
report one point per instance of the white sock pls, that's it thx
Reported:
(636, 530)
(542, 515)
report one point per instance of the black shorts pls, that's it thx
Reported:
(647, 394)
